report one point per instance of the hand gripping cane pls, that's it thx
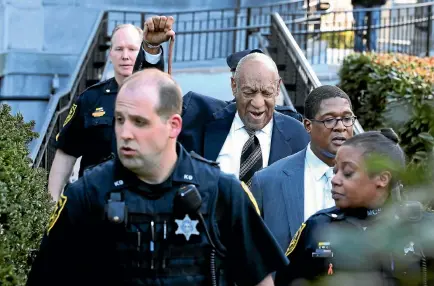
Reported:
(169, 64)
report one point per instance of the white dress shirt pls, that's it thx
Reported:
(317, 189)
(150, 58)
(230, 154)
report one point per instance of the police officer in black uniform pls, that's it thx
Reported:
(371, 237)
(155, 215)
(88, 128)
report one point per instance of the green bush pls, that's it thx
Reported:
(383, 85)
(25, 204)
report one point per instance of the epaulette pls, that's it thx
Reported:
(98, 84)
(90, 167)
(332, 212)
(200, 158)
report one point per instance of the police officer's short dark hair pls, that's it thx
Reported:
(170, 99)
(313, 100)
(169, 92)
(384, 143)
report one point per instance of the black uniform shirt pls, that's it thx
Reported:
(357, 247)
(88, 128)
(75, 246)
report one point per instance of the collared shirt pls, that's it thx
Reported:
(315, 182)
(152, 59)
(230, 154)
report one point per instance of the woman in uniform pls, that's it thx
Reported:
(370, 237)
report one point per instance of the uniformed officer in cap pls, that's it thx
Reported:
(155, 215)
(233, 59)
(88, 129)
(371, 237)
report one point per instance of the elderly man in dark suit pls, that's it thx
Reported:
(294, 188)
(246, 135)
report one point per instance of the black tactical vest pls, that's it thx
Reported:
(157, 244)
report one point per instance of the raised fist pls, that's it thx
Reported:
(158, 29)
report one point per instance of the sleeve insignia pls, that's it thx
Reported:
(251, 197)
(294, 240)
(57, 211)
(70, 114)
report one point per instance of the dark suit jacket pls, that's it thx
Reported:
(279, 191)
(207, 121)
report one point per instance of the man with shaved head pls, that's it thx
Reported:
(156, 215)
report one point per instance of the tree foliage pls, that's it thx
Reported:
(25, 204)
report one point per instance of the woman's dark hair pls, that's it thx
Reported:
(385, 145)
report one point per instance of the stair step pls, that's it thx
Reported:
(103, 47)
(98, 65)
(91, 82)
(290, 87)
(281, 67)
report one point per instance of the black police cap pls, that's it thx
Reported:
(233, 59)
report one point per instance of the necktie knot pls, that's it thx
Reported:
(327, 195)
(329, 174)
(250, 131)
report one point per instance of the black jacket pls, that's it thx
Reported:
(81, 247)
(354, 248)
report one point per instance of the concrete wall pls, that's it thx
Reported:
(38, 42)
(2, 27)
(25, 24)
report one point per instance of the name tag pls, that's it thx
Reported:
(323, 250)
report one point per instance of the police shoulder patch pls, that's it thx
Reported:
(295, 239)
(70, 114)
(57, 211)
(251, 197)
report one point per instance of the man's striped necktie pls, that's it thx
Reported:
(251, 158)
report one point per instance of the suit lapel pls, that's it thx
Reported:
(217, 130)
(293, 192)
(280, 147)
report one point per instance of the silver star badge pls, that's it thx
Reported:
(187, 227)
(409, 248)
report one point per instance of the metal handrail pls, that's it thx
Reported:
(296, 54)
(262, 45)
(39, 145)
(400, 7)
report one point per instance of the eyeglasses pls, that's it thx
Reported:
(332, 122)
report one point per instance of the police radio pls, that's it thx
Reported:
(410, 211)
(189, 200)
